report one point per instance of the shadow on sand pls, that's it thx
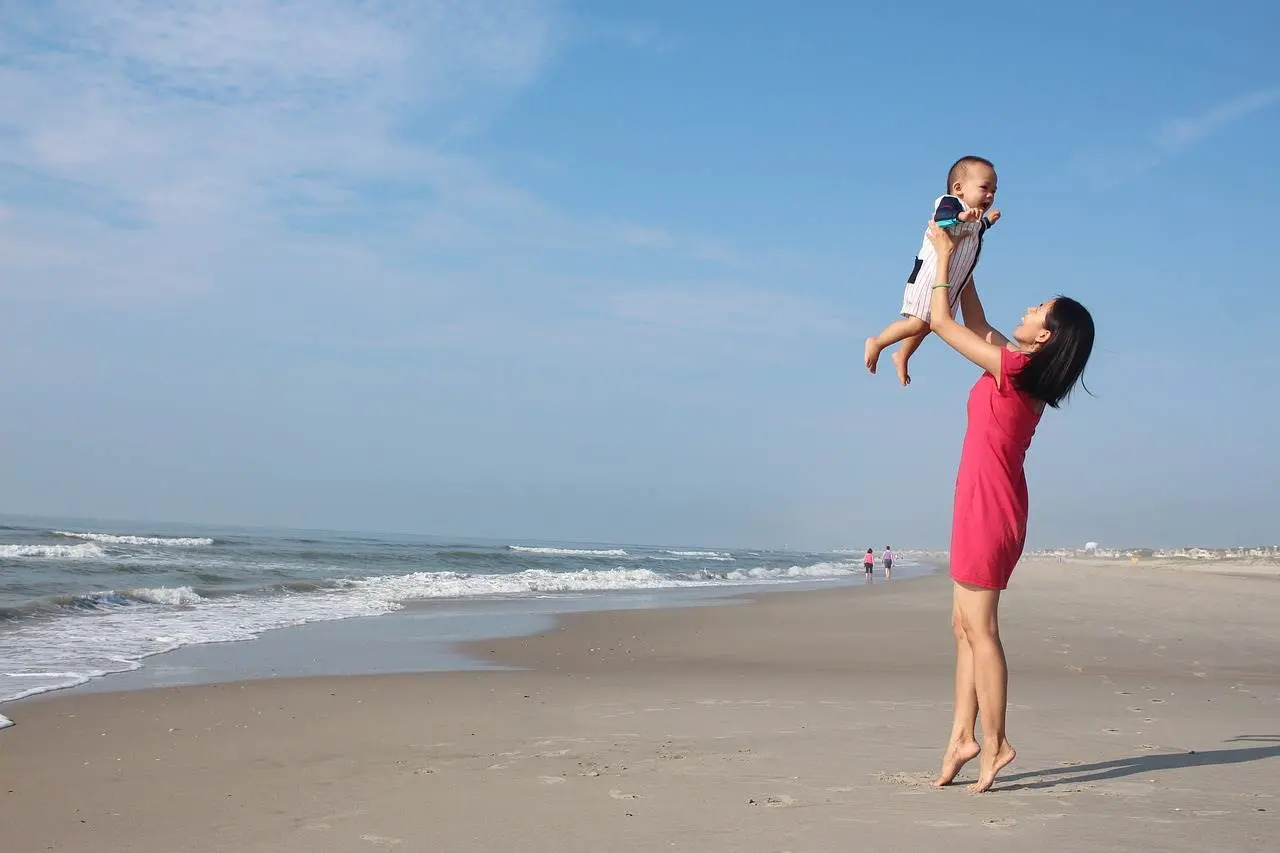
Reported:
(1121, 767)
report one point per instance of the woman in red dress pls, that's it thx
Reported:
(1039, 367)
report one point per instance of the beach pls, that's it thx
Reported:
(1144, 704)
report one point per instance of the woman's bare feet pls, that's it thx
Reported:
(900, 363)
(871, 354)
(958, 754)
(987, 775)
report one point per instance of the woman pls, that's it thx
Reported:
(1039, 367)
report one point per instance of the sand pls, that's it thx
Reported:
(1145, 706)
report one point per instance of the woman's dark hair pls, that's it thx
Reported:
(1053, 370)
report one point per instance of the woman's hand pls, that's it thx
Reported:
(984, 353)
(941, 239)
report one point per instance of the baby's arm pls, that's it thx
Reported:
(992, 217)
(951, 210)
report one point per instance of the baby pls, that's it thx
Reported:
(971, 188)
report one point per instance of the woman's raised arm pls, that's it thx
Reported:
(975, 318)
(960, 338)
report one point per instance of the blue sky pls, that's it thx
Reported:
(602, 271)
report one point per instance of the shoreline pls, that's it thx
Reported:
(426, 635)
(1143, 705)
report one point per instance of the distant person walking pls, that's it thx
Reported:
(1037, 368)
(869, 561)
(887, 557)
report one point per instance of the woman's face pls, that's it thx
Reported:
(1032, 328)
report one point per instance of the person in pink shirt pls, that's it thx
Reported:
(869, 561)
(1037, 367)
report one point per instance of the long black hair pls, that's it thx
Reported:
(1051, 373)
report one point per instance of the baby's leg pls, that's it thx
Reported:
(904, 353)
(898, 330)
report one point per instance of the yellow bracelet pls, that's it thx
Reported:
(946, 286)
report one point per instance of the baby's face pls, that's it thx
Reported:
(978, 186)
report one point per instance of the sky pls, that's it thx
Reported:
(601, 271)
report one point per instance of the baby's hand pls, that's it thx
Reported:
(993, 216)
(970, 215)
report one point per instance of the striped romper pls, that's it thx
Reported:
(964, 259)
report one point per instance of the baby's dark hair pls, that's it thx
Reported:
(959, 167)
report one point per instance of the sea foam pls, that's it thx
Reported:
(87, 551)
(118, 539)
(569, 552)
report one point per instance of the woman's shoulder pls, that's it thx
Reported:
(1011, 354)
(1012, 362)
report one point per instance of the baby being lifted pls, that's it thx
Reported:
(966, 210)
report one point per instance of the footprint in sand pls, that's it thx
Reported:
(999, 822)
(907, 780)
(551, 780)
(623, 795)
(381, 840)
(775, 801)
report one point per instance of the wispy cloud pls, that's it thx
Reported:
(305, 151)
(1184, 132)
(211, 101)
(1111, 166)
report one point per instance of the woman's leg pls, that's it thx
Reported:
(978, 615)
(961, 746)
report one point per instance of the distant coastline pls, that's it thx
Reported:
(1251, 553)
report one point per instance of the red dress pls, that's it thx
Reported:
(989, 525)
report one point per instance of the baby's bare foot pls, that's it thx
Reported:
(958, 754)
(871, 354)
(900, 363)
(987, 775)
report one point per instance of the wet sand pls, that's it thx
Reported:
(1145, 706)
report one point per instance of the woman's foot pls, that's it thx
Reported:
(958, 754)
(870, 354)
(987, 775)
(900, 364)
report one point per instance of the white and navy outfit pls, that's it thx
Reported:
(964, 258)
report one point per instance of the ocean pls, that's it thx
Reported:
(84, 600)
